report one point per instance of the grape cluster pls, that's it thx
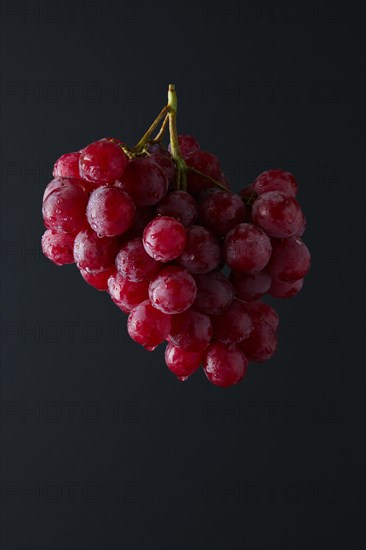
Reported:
(160, 251)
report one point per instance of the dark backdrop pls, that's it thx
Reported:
(102, 448)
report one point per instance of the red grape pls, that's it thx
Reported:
(247, 248)
(163, 159)
(214, 293)
(278, 214)
(233, 325)
(250, 286)
(302, 228)
(134, 263)
(182, 363)
(206, 163)
(172, 290)
(261, 344)
(94, 253)
(275, 180)
(224, 366)
(64, 209)
(279, 289)
(144, 181)
(264, 312)
(187, 144)
(127, 294)
(57, 183)
(191, 330)
(58, 247)
(115, 140)
(102, 162)
(221, 211)
(110, 211)
(98, 279)
(148, 326)
(180, 205)
(164, 238)
(202, 252)
(67, 166)
(290, 259)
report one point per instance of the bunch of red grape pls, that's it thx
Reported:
(160, 251)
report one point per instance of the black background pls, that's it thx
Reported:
(274, 463)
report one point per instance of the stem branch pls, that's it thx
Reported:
(169, 114)
(159, 136)
(145, 138)
(174, 143)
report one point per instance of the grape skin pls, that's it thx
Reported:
(172, 290)
(148, 326)
(290, 260)
(247, 248)
(224, 366)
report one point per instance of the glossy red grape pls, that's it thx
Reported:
(275, 180)
(250, 286)
(164, 160)
(208, 164)
(127, 294)
(94, 253)
(67, 166)
(247, 248)
(233, 325)
(172, 290)
(278, 214)
(180, 205)
(182, 363)
(191, 330)
(187, 144)
(279, 289)
(102, 162)
(98, 279)
(302, 228)
(144, 181)
(164, 238)
(221, 211)
(110, 211)
(263, 312)
(133, 262)
(214, 293)
(115, 140)
(64, 209)
(202, 252)
(261, 344)
(290, 259)
(148, 326)
(58, 247)
(224, 365)
(57, 183)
